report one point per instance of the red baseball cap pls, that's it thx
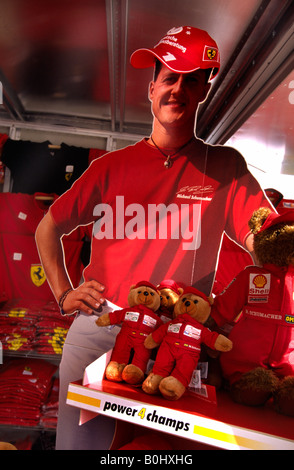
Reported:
(183, 50)
(193, 290)
(169, 284)
(145, 283)
(273, 219)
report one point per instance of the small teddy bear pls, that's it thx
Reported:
(138, 320)
(180, 341)
(261, 365)
(169, 295)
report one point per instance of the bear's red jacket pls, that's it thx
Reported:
(179, 351)
(137, 323)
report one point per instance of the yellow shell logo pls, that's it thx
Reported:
(259, 281)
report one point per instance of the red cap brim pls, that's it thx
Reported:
(193, 290)
(144, 58)
(147, 284)
(275, 219)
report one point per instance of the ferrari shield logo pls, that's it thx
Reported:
(68, 172)
(211, 53)
(37, 274)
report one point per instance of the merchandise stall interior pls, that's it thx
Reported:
(68, 94)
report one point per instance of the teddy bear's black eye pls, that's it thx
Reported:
(139, 291)
(168, 297)
(196, 301)
(184, 299)
(151, 293)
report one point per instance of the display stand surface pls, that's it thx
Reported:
(224, 424)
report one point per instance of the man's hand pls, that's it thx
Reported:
(87, 297)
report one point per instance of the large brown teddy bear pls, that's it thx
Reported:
(138, 320)
(180, 341)
(261, 364)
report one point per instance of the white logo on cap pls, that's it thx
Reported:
(168, 57)
(175, 30)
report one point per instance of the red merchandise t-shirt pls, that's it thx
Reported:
(153, 223)
(21, 274)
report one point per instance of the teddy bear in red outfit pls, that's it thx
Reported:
(261, 365)
(169, 295)
(180, 341)
(138, 320)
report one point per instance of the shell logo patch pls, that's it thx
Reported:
(259, 283)
(37, 274)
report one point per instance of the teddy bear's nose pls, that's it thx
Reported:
(146, 293)
(187, 303)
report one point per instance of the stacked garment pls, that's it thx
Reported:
(50, 408)
(18, 325)
(51, 330)
(25, 385)
(35, 326)
(30, 319)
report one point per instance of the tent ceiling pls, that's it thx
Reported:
(66, 62)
